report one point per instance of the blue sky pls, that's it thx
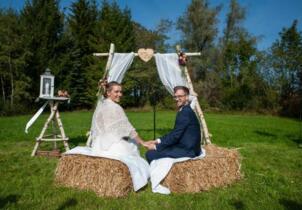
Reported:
(264, 18)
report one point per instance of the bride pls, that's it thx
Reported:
(112, 133)
(112, 136)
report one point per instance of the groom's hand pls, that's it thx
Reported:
(153, 142)
(150, 145)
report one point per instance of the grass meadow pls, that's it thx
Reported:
(271, 163)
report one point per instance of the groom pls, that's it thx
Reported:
(184, 139)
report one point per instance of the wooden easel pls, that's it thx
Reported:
(55, 120)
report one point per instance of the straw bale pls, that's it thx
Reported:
(106, 177)
(219, 168)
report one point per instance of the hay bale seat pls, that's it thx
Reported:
(111, 178)
(106, 177)
(220, 167)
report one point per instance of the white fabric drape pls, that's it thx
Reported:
(120, 64)
(169, 71)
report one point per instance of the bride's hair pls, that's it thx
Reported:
(109, 86)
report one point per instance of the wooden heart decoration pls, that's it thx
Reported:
(145, 54)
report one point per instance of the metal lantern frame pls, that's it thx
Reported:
(47, 83)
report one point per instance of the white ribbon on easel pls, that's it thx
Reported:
(34, 118)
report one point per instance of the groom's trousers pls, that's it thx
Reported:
(169, 152)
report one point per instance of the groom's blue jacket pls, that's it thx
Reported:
(182, 141)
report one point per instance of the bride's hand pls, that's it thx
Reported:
(144, 144)
(150, 145)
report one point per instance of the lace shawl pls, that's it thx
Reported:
(110, 124)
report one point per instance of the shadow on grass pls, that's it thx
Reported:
(290, 205)
(71, 202)
(8, 199)
(264, 133)
(75, 141)
(237, 204)
(295, 139)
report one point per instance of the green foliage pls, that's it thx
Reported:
(81, 23)
(115, 26)
(142, 85)
(42, 30)
(198, 25)
(160, 37)
(286, 60)
(199, 28)
(245, 88)
(14, 81)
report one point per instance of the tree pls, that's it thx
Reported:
(81, 26)
(115, 26)
(244, 88)
(42, 28)
(14, 83)
(160, 35)
(231, 39)
(286, 60)
(199, 29)
(198, 25)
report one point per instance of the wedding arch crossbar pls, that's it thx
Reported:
(170, 73)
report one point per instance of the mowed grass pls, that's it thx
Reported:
(271, 163)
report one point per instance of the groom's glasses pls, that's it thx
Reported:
(178, 96)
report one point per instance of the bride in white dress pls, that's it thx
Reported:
(113, 137)
(112, 133)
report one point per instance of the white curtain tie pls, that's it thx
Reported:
(35, 117)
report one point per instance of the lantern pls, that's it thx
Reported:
(47, 81)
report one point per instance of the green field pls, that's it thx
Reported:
(271, 163)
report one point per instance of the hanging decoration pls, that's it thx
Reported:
(145, 54)
(182, 59)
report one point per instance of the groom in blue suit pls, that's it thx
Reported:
(184, 139)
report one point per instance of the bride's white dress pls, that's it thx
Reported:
(112, 133)
(112, 137)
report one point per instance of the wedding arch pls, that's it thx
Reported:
(78, 168)
(171, 74)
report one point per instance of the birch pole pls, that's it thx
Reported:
(197, 106)
(109, 61)
(107, 68)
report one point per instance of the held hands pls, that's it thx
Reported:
(150, 145)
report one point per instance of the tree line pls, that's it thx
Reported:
(231, 74)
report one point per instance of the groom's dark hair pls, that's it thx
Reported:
(184, 88)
